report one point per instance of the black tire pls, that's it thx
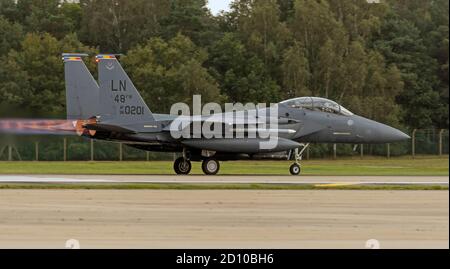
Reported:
(210, 166)
(182, 166)
(295, 169)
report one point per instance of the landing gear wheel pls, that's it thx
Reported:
(210, 166)
(182, 166)
(295, 169)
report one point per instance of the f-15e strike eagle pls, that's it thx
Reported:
(113, 110)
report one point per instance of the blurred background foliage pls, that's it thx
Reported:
(386, 61)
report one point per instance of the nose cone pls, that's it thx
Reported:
(388, 134)
(374, 132)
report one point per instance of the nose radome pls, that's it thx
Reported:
(389, 134)
(403, 136)
(375, 132)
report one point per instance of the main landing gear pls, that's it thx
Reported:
(210, 166)
(296, 168)
(183, 166)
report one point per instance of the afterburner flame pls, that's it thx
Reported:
(81, 130)
(46, 127)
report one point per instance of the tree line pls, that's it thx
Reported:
(387, 61)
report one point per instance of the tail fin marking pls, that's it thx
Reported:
(82, 91)
(120, 101)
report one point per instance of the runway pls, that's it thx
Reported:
(223, 219)
(200, 179)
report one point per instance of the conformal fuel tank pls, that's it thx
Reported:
(242, 145)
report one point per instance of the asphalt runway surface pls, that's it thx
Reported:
(223, 219)
(200, 179)
(227, 219)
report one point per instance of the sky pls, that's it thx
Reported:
(217, 5)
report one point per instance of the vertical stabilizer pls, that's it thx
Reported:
(82, 91)
(120, 101)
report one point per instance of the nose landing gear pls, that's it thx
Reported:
(296, 168)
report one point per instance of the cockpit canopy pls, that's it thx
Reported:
(317, 104)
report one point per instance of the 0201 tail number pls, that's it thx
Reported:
(132, 110)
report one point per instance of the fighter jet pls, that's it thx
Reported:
(113, 110)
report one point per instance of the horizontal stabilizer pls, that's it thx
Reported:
(107, 128)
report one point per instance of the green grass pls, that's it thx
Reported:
(422, 166)
(218, 187)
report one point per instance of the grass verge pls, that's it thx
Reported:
(428, 166)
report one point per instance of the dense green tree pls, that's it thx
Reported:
(48, 16)
(360, 18)
(9, 10)
(313, 25)
(11, 33)
(354, 71)
(72, 14)
(259, 26)
(171, 72)
(401, 43)
(328, 71)
(419, 45)
(51, 16)
(241, 74)
(341, 66)
(296, 73)
(383, 84)
(17, 10)
(32, 77)
(191, 18)
(286, 9)
(117, 25)
(324, 40)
